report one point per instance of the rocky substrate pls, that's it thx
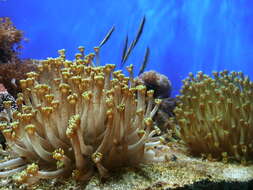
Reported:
(181, 172)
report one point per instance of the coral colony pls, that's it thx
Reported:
(74, 116)
(12, 69)
(215, 116)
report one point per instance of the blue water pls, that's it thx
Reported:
(183, 35)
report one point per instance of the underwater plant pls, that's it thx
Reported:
(76, 117)
(215, 116)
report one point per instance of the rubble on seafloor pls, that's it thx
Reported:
(180, 172)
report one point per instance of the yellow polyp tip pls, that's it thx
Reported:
(78, 55)
(49, 97)
(141, 89)
(121, 107)
(132, 90)
(58, 154)
(70, 132)
(32, 169)
(30, 82)
(7, 133)
(26, 117)
(158, 101)
(141, 133)
(140, 112)
(65, 75)
(47, 110)
(67, 64)
(57, 81)
(20, 177)
(30, 129)
(81, 49)
(148, 122)
(40, 68)
(61, 51)
(76, 174)
(108, 69)
(162, 140)
(96, 49)
(14, 125)
(109, 102)
(55, 104)
(130, 68)
(74, 123)
(72, 99)
(157, 130)
(99, 80)
(32, 75)
(3, 126)
(23, 84)
(76, 79)
(64, 88)
(125, 91)
(244, 149)
(87, 95)
(150, 93)
(224, 154)
(109, 114)
(97, 157)
(7, 104)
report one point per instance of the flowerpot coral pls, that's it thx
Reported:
(215, 116)
(75, 117)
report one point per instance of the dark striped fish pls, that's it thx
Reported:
(108, 35)
(124, 50)
(129, 50)
(145, 61)
(135, 41)
(140, 30)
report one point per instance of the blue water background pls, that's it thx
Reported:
(183, 35)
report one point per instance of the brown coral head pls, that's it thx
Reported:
(157, 82)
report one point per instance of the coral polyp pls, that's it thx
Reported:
(215, 116)
(75, 117)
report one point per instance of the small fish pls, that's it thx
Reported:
(124, 50)
(145, 61)
(135, 41)
(108, 35)
(129, 50)
(140, 30)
